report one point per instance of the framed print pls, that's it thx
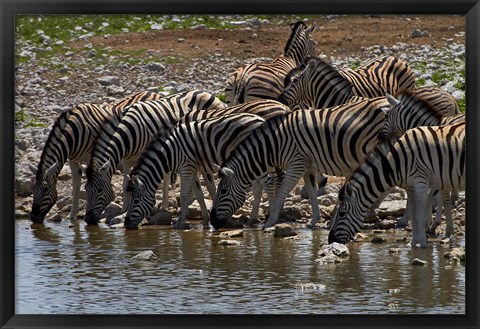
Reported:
(103, 101)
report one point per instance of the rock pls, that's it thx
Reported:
(387, 224)
(57, 218)
(120, 219)
(231, 234)
(290, 214)
(161, 217)
(336, 249)
(419, 262)
(394, 250)
(359, 237)
(456, 254)
(328, 259)
(179, 40)
(147, 255)
(109, 80)
(112, 210)
(115, 90)
(156, 27)
(23, 185)
(416, 33)
(194, 210)
(395, 208)
(378, 239)
(155, 67)
(310, 286)
(283, 230)
(228, 243)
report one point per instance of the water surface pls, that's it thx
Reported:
(89, 270)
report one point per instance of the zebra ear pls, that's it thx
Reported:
(137, 182)
(311, 28)
(105, 167)
(51, 170)
(216, 167)
(392, 100)
(83, 169)
(32, 168)
(227, 172)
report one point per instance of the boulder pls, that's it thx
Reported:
(227, 242)
(161, 217)
(419, 262)
(231, 234)
(337, 249)
(146, 255)
(283, 230)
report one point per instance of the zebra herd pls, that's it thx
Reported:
(295, 117)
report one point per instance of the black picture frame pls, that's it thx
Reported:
(8, 9)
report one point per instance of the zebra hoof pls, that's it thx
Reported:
(182, 226)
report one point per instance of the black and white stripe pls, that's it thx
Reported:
(305, 142)
(190, 147)
(315, 83)
(126, 142)
(266, 80)
(71, 139)
(422, 160)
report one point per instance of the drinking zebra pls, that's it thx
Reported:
(303, 143)
(423, 159)
(190, 147)
(71, 139)
(266, 80)
(318, 84)
(128, 140)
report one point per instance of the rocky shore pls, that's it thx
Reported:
(89, 69)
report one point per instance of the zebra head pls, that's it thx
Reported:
(44, 192)
(299, 46)
(99, 190)
(140, 203)
(297, 85)
(393, 118)
(347, 219)
(229, 198)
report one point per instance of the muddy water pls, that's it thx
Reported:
(88, 270)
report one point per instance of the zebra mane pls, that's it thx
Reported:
(293, 34)
(58, 125)
(373, 159)
(409, 95)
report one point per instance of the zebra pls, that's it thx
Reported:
(422, 107)
(71, 139)
(423, 159)
(419, 107)
(126, 142)
(303, 143)
(266, 80)
(190, 147)
(316, 83)
(266, 109)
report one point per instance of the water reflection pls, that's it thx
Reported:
(88, 269)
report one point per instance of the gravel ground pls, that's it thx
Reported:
(202, 58)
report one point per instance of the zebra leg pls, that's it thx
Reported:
(448, 206)
(257, 198)
(403, 221)
(126, 195)
(289, 180)
(421, 207)
(186, 181)
(76, 183)
(201, 201)
(439, 196)
(310, 184)
(210, 183)
(165, 187)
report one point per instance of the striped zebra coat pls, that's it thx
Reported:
(419, 107)
(317, 84)
(266, 80)
(305, 142)
(194, 146)
(71, 139)
(422, 107)
(126, 142)
(423, 159)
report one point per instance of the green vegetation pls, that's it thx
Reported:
(222, 97)
(27, 121)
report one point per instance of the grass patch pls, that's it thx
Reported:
(26, 121)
